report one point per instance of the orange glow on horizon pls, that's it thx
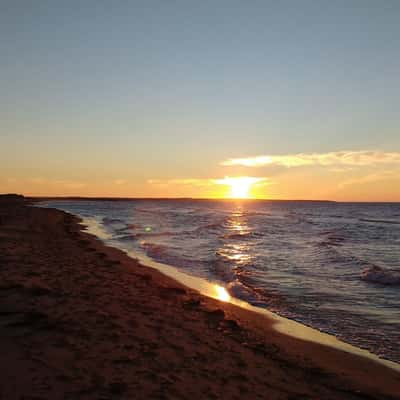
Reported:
(240, 187)
(316, 183)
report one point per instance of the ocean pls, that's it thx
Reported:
(332, 266)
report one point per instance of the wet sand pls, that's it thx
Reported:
(79, 320)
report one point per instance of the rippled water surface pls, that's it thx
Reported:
(333, 266)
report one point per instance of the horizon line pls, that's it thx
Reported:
(116, 198)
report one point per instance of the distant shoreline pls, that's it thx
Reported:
(170, 198)
(83, 198)
(111, 198)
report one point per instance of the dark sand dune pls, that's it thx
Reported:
(79, 320)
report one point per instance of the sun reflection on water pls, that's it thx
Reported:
(221, 293)
(236, 229)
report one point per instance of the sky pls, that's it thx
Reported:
(297, 99)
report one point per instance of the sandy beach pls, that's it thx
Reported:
(80, 320)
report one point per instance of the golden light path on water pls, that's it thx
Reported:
(215, 291)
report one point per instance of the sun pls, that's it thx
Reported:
(240, 187)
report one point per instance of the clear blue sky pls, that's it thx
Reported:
(130, 90)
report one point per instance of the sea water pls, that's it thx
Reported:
(332, 266)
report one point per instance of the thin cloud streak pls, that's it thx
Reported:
(339, 158)
(250, 180)
(370, 178)
(67, 184)
(185, 181)
(208, 181)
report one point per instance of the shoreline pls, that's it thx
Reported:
(281, 324)
(89, 320)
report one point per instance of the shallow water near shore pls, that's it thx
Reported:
(317, 263)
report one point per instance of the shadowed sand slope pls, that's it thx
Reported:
(79, 320)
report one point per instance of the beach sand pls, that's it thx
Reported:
(79, 320)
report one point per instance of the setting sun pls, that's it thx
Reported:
(240, 187)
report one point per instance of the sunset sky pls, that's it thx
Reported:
(298, 99)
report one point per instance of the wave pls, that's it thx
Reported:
(241, 291)
(155, 211)
(332, 240)
(112, 221)
(128, 238)
(153, 249)
(380, 275)
(255, 295)
(126, 228)
(210, 227)
(155, 234)
(158, 234)
(380, 221)
(168, 255)
(244, 236)
(252, 214)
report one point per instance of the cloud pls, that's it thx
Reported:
(260, 181)
(70, 184)
(57, 182)
(244, 180)
(185, 181)
(339, 158)
(370, 178)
